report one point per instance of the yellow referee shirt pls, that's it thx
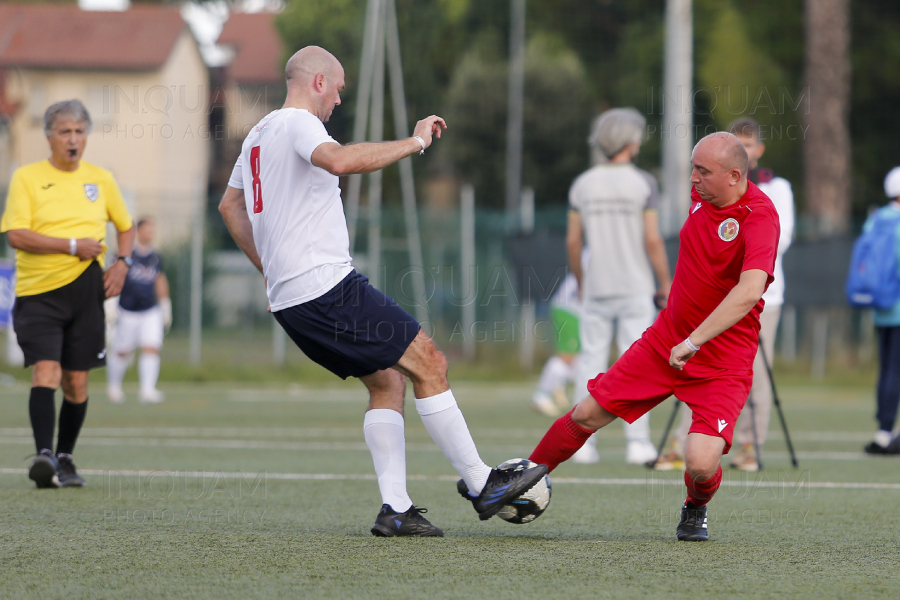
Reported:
(60, 204)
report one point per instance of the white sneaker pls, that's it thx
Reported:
(640, 453)
(587, 454)
(152, 396)
(114, 394)
(543, 404)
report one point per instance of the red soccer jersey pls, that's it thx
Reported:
(717, 245)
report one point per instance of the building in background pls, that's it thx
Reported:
(140, 74)
(251, 85)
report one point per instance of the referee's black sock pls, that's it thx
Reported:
(43, 416)
(71, 416)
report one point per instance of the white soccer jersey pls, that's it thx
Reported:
(299, 228)
(782, 196)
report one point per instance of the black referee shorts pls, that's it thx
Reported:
(353, 330)
(65, 325)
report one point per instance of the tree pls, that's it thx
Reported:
(827, 143)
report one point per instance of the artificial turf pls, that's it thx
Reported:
(224, 491)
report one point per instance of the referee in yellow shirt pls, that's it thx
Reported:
(55, 218)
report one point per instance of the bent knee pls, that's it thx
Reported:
(701, 470)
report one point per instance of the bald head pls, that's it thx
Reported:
(720, 169)
(308, 62)
(315, 79)
(727, 150)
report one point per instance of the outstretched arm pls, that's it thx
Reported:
(739, 301)
(234, 212)
(368, 157)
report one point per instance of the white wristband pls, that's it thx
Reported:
(73, 246)
(421, 142)
(688, 343)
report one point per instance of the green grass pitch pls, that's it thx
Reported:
(228, 491)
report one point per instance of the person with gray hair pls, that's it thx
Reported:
(56, 216)
(613, 210)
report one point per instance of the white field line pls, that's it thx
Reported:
(321, 432)
(801, 483)
(214, 444)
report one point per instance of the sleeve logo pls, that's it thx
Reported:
(92, 191)
(728, 229)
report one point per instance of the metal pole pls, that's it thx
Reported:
(376, 134)
(677, 123)
(529, 317)
(665, 436)
(407, 183)
(197, 279)
(370, 35)
(469, 270)
(515, 113)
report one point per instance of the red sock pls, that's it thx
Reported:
(701, 492)
(561, 441)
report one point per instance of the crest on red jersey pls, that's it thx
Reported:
(728, 229)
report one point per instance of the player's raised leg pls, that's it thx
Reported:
(702, 476)
(488, 489)
(383, 430)
(569, 433)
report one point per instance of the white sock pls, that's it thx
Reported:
(383, 429)
(447, 426)
(148, 370)
(115, 369)
(639, 431)
(555, 375)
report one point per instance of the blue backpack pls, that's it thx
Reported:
(873, 281)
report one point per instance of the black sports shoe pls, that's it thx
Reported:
(68, 477)
(390, 523)
(500, 489)
(43, 470)
(874, 448)
(692, 527)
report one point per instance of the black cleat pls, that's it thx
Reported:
(500, 489)
(43, 470)
(68, 477)
(390, 523)
(875, 448)
(692, 527)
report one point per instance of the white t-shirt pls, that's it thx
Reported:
(611, 199)
(782, 196)
(295, 208)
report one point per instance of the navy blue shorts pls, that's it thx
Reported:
(353, 330)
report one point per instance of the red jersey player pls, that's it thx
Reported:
(702, 345)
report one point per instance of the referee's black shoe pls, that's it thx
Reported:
(501, 488)
(390, 523)
(68, 476)
(692, 527)
(43, 470)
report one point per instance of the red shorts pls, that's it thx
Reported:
(642, 378)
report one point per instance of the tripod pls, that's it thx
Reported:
(752, 406)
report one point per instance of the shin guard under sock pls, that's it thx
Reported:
(561, 441)
(71, 417)
(43, 417)
(701, 492)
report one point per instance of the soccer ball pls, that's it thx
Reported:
(530, 505)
